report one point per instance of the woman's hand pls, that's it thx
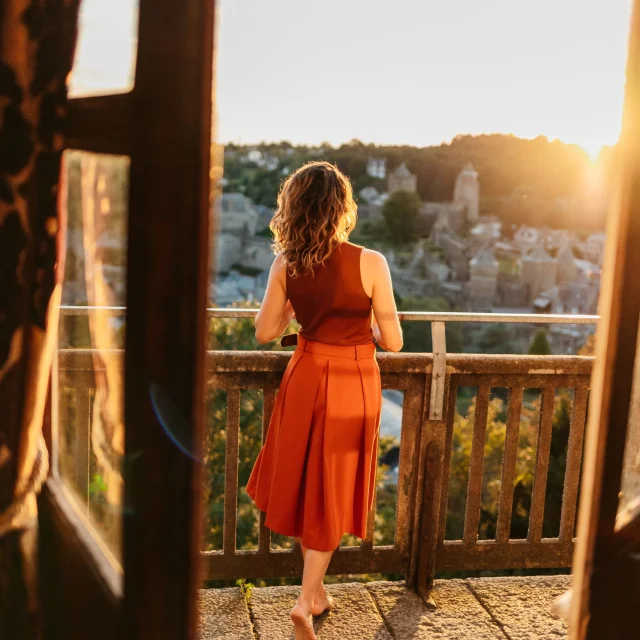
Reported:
(377, 335)
(376, 332)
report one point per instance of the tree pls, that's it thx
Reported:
(417, 335)
(540, 344)
(400, 212)
(563, 404)
(232, 334)
(523, 181)
(463, 427)
(493, 337)
(493, 453)
(589, 347)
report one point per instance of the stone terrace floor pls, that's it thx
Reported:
(513, 608)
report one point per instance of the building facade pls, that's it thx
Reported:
(401, 179)
(483, 279)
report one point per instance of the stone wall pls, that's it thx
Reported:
(228, 248)
(257, 254)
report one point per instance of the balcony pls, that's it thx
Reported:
(515, 608)
(433, 388)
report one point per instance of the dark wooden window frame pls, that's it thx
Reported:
(602, 574)
(164, 125)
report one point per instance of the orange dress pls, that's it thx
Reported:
(315, 474)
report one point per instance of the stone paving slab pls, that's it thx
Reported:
(354, 616)
(522, 604)
(458, 615)
(512, 608)
(223, 615)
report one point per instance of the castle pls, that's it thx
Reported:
(480, 270)
(465, 258)
(401, 179)
(466, 194)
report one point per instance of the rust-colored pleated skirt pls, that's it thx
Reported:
(315, 474)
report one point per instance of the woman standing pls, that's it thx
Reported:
(315, 474)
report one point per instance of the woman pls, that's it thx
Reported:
(315, 474)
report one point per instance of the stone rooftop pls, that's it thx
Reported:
(513, 608)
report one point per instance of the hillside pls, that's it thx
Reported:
(536, 182)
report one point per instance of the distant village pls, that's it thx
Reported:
(467, 258)
(460, 256)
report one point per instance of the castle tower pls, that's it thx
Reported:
(539, 271)
(483, 285)
(401, 180)
(467, 192)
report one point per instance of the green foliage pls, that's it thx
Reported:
(230, 334)
(400, 213)
(494, 337)
(374, 233)
(557, 462)
(97, 486)
(460, 459)
(417, 335)
(214, 456)
(523, 181)
(387, 498)
(589, 347)
(493, 458)
(265, 233)
(246, 588)
(540, 344)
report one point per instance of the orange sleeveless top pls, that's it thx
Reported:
(331, 305)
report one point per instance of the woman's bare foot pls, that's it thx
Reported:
(303, 623)
(322, 602)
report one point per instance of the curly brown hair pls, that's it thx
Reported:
(316, 212)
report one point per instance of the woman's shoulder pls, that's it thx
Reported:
(374, 259)
(279, 267)
(366, 252)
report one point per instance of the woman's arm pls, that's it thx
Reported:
(275, 311)
(385, 322)
(377, 335)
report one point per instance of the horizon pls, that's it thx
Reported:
(593, 155)
(449, 142)
(418, 75)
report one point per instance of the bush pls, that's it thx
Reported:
(540, 344)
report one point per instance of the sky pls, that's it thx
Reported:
(415, 72)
